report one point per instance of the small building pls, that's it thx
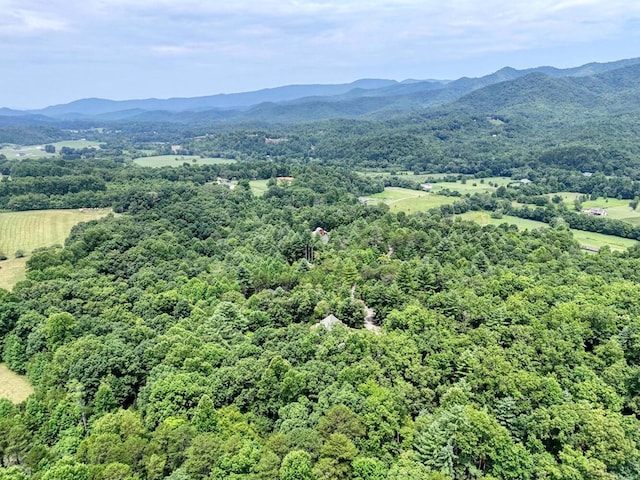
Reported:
(587, 174)
(525, 181)
(596, 211)
(324, 235)
(328, 322)
(427, 186)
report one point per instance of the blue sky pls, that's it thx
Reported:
(57, 51)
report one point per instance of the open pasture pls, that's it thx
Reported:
(617, 209)
(13, 152)
(177, 161)
(472, 185)
(26, 231)
(258, 187)
(585, 239)
(13, 387)
(410, 201)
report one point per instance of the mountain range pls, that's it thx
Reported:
(592, 86)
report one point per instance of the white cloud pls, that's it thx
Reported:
(276, 39)
(17, 22)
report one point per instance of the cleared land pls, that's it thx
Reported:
(37, 151)
(616, 209)
(258, 187)
(437, 179)
(585, 239)
(13, 387)
(27, 231)
(472, 186)
(409, 201)
(178, 160)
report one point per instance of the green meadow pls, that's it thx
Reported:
(409, 201)
(177, 160)
(13, 152)
(258, 187)
(585, 239)
(27, 231)
(13, 387)
(616, 209)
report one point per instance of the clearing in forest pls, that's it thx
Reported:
(410, 201)
(258, 187)
(25, 231)
(585, 239)
(177, 161)
(13, 387)
(13, 152)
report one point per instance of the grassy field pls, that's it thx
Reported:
(258, 187)
(27, 231)
(484, 218)
(437, 179)
(472, 186)
(13, 387)
(37, 151)
(616, 209)
(178, 160)
(585, 239)
(409, 201)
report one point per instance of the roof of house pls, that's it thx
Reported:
(328, 322)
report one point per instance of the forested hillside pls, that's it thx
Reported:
(181, 339)
(262, 305)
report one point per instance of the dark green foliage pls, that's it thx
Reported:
(180, 338)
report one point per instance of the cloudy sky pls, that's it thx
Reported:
(55, 51)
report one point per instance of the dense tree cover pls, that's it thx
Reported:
(178, 340)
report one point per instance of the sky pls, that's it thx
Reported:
(56, 51)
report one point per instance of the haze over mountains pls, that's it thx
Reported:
(595, 85)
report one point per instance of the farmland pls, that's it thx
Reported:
(27, 231)
(177, 160)
(37, 151)
(409, 201)
(585, 239)
(13, 387)
(258, 187)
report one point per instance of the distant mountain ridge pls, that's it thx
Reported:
(97, 106)
(586, 86)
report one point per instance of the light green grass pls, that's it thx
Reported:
(12, 271)
(592, 239)
(472, 186)
(13, 152)
(438, 180)
(178, 160)
(606, 203)
(27, 231)
(258, 187)
(616, 209)
(396, 193)
(409, 201)
(484, 218)
(13, 387)
(422, 203)
(585, 239)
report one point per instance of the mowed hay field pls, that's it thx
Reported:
(409, 201)
(585, 239)
(13, 387)
(26, 231)
(177, 161)
(258, 187)
(616, 209)
(37, 151)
